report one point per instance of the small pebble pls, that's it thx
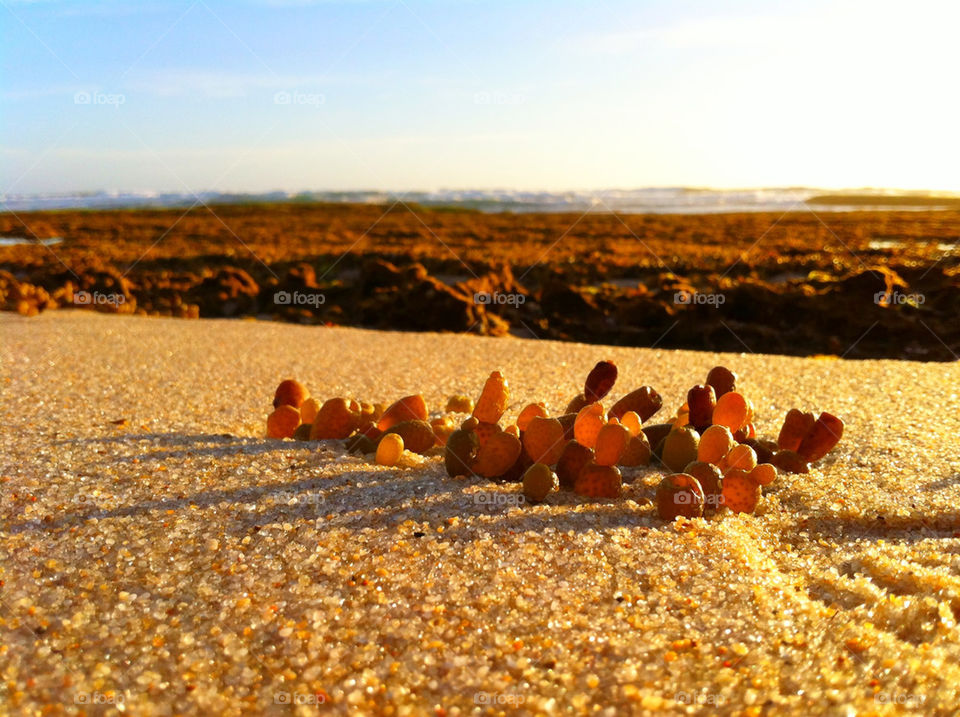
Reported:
(418, 436)
(741, 493)
(493, 400)
(645, 402)
(731, 411)
(337, 418)
(283, 422)
(574, 457)
(596, 481)
(309, 409)
(790, 462)
(408, 408)
(290, 393)
(700, 402)
(459, 404)
(823, 436)
(715, 443)
(461, 452)
(631, 421)
(637, 451)
(711, 481)
(390, 449)
(679, 495)
(680, 448)
(497, 455)
(612, 441)
(599, 381)
(722, 379)
(544, 440)
(538, 482)
(764, 474)
(796, 425)
(588, 424)
(741, 457)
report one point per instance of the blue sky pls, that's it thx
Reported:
(407, 95)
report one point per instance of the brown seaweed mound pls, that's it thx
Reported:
(857, 284)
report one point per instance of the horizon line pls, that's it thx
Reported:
(494, 189)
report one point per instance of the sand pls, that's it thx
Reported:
(178, 562)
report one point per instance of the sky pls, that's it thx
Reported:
(401, 95)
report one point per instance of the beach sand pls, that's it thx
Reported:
(180, 562)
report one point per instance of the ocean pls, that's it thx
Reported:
(656, 200)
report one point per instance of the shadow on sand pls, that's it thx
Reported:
(416, 494)
(423, 495)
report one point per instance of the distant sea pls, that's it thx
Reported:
(656, 200)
